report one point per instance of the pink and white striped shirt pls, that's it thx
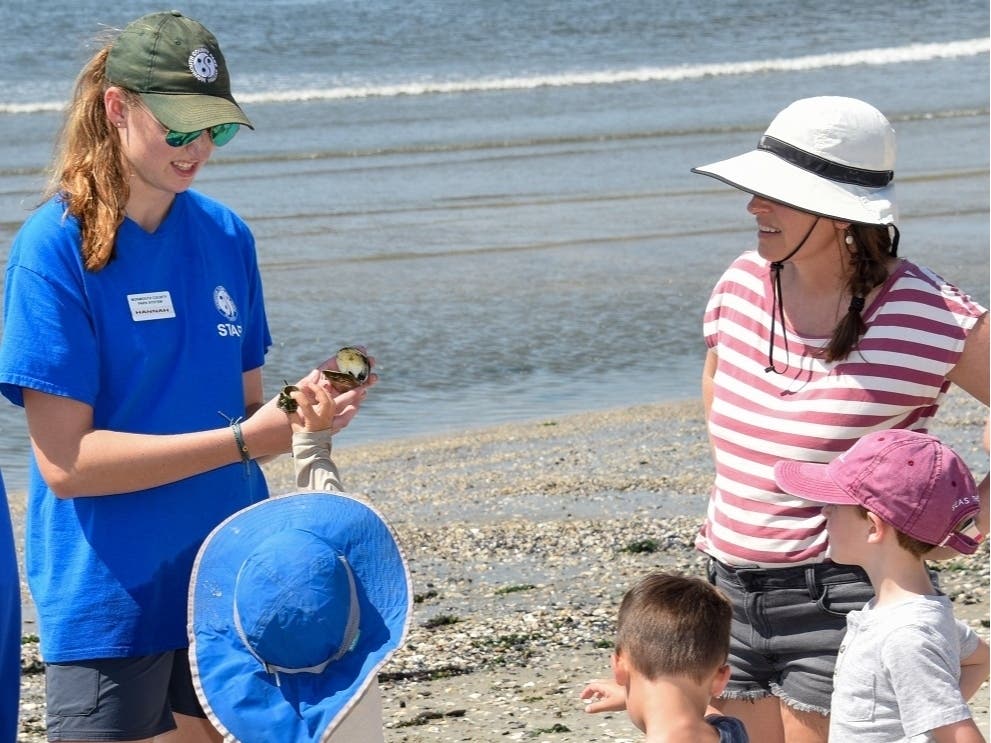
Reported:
(895, 378)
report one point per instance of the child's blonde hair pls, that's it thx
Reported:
(911, 545)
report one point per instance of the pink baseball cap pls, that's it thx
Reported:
(910, 479)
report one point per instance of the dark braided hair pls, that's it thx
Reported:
(872, 246)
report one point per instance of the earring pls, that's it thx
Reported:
(848, 239)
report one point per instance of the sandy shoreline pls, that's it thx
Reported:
(521, 539)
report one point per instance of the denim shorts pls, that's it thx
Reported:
(787, 627)
(119, 698)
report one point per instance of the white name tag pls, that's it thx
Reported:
(151, 306)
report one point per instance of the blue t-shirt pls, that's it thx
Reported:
(156, 342)
(731, 730)
(10, 625)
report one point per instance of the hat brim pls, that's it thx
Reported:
(764, 174)
(183, 112)
(240, 698)
(811, 481)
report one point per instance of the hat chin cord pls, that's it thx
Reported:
(778, 306)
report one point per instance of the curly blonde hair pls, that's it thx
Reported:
(88, 171)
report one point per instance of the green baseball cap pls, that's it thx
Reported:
(177, 68)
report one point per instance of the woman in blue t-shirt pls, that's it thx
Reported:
(134, 336)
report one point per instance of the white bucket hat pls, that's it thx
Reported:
(294, 605)
(830, 156)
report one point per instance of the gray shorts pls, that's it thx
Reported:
(119, 698)
(787, 627)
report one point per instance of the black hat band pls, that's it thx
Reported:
(823, 167)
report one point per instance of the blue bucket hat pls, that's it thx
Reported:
(294, 604)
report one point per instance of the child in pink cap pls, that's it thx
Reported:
(906, 667)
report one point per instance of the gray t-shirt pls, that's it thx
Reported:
(898, 672)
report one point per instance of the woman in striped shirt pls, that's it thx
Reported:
(821, 335)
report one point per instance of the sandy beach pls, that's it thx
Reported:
(521, 540)
(497, 199)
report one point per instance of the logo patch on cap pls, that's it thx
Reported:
(203, 65)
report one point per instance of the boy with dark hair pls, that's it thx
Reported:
(906, 667)
(672, 641)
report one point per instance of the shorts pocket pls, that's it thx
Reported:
(71, 691)
(839, 599)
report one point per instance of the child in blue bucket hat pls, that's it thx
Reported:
(296, 603)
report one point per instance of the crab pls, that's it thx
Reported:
(286, 401)
(353, 369)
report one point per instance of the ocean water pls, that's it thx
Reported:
(495, 196)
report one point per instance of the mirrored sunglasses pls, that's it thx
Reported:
(221, 134)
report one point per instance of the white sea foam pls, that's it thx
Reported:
(882, 56)
(31, 108)
(896, 55)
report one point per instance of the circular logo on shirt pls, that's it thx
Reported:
(224, 303)
(203, 65)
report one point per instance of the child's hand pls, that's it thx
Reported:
(604, 696)
(315, 408)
